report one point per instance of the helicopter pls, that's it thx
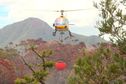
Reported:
(61, 24)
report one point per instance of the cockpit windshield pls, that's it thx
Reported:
(61, 21)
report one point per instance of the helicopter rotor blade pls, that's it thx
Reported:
(71, 10)
(71, 24)
(64, 10)
(76, 10)
(40, 10)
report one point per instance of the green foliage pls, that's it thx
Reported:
(26, 80)
(46, 53)
(8, 53)
(49, 64)
(103, 67)
(36, 78)
(106, 65)
(122, 45)
(39, 75)
(113, 21)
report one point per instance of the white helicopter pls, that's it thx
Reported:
(61, 23)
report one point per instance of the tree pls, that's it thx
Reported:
(107, 65)
(8, 53)
(104, 66)
(113, 21)
(39, 70)
(7, 72)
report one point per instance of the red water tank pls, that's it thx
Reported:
(60, 65)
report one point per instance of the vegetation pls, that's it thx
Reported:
(113, 21)
(107, 65)
(104, 66)
(39, 70)
(7, 72)
(26, 59)
(8, 53)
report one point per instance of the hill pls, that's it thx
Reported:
(34, 28)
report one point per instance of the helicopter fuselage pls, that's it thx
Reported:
(61, 23)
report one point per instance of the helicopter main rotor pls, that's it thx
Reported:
(62, 11)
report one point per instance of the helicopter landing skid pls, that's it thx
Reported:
(61, 38)
(54, 33)
(68, 37)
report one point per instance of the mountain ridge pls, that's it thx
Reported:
(35, 28)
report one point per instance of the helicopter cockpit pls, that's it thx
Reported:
(61, 23)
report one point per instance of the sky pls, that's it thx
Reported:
(84, 21)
